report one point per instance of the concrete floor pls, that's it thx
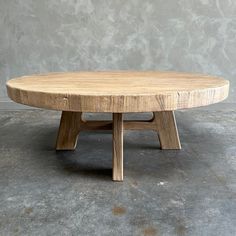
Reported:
(187, 192)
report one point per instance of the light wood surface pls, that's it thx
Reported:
(117, 162)
(68, 130)
(167, 130)
(90, 125)
(118, 92)
(162, 122)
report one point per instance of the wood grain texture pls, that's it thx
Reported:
(118, 92)
(167, 130)
(127, 125)
(117, 174)
(68, 130)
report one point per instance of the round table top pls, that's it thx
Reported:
(117, 91)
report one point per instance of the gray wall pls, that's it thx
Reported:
(38, 36)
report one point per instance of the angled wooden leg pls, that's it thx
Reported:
(117, 147)
(68, 130)
(167, 130)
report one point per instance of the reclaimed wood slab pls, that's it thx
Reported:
(118, 92)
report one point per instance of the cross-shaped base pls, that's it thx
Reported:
(162, 122)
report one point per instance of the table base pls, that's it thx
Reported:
(162, 122)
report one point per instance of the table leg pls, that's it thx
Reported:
(68, 130)
(167, 130)
(117, 147)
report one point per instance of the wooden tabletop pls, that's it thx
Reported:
(117, 91)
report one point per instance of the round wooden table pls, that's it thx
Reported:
(117, 92)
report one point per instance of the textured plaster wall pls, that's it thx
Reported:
(39, 36)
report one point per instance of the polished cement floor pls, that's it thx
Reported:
(187, 192)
